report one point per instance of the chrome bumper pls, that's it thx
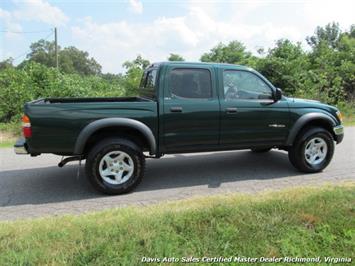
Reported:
(20, 146)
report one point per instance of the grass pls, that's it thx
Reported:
(348, 111)
(12, 128)
(349, 121)
(303, 222)
(9, 132)
(7, 143)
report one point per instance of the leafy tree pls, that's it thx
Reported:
(116, 78)
(175, 57)
(352, 31)
(345, 63)
(134, 71)
(35, 80)
(233, 53)
(42, 52)
(7, 63)
(13, 93)
(139, 62)
(71, 59)
(285, 66)
(333, 63)
(329, 35)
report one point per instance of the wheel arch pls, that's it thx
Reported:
(116, 127)
(311, 119)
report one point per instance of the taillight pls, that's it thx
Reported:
(26, 126)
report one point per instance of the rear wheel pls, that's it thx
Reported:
(312, 150)
(115, 166)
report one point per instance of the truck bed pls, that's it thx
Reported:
(57, 122)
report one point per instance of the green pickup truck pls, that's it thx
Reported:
(183, 107)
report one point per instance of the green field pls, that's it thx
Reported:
(302, 222)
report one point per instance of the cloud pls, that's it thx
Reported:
(15, 21)
(7, 19)
(321, 12)
(4, 14)
(33, 10)
(136, 6)
(190, 35)
(40, 11)
(10, 25)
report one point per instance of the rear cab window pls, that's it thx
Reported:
(147, 88)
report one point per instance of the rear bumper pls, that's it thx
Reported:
(339, 133)
(20, 146)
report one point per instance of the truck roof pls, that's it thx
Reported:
(157, 64)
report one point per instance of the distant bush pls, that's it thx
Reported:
(14, 87)
(34, 81)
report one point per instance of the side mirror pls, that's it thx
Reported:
(278, 94)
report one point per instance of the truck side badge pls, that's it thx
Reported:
(276, 125)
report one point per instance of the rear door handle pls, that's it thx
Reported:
(176, 109)
(231, 110)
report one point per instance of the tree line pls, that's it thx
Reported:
(325, 70)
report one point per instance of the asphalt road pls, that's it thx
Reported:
(35, 186)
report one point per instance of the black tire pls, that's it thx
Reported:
(260, 150)
(105, 147)
(296, 153)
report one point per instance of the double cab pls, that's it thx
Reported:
(182, 107)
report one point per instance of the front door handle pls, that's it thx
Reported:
(231, 110)
(176, 109)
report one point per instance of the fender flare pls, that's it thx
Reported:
(91, 128)
(303, 120)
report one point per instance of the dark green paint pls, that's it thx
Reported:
(202, 125)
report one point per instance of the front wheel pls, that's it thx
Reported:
(312, 150)
(115, 166)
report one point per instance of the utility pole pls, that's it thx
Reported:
(56, 48)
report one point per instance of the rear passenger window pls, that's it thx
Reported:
(194, 83)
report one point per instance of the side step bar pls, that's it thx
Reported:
(69, 159)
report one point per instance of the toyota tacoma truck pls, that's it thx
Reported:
(182, 107)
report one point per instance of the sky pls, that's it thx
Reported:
(114, 31)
